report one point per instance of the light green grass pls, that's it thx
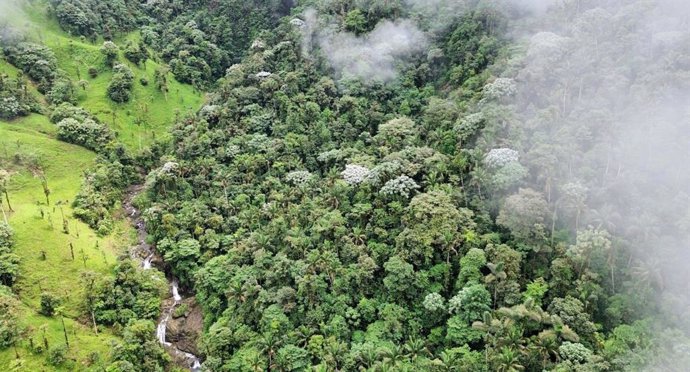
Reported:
(64, 165)
(58, 274)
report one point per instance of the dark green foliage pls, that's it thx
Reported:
(9, 317)
(131, 294)
(9, 262)
(15, 98)
(37, 61)
(120, 87)
(103, 187)
(92, 17)
(76, 125)
(139, 348)
(68, 111)
(200, 41)
(136, 53)
(61, 91)
(88, 133)
(110, 52)
(57, 355)
(473, 44)
(49, 304)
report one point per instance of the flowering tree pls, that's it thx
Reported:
(402, 186)
(299, 178)
(355, 174)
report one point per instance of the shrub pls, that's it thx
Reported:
(88, 133)
(120, 87)
(49, 304)
(136, 53)
(15, 99)
(6, 236)
(57, 355)
(76, 19)
(35, 60)
(9, 262)
(109, 51)
(67, 110)
(61, 91)
(9, 317)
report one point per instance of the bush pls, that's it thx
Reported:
(92, 17)
(15, 99)
(120, 87)
(61, 91)
(6, 236)
(76, 19)
(9, 317)
(49, 304)
(109, 51)
(57, 355)
(142, 301)
(9, 262)
(136, 53)
(93, 72)
(88, 133)
(103, 186)
(67, 110)
(35, 60)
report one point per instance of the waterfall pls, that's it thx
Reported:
(146, 264)
(194, 364)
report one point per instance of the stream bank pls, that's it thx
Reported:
(181, 320)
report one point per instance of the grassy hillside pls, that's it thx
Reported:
(137, 123)
(58, 274)
(44, 248)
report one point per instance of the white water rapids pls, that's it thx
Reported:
(143, 248)
(162, 326)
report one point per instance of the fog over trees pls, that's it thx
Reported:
(446, 185)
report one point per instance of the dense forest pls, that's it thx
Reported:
(370, 185)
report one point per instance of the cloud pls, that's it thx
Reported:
(604, 91)
(373, 56)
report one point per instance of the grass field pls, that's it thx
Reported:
(38, 232)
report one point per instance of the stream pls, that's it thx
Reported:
(143, 249)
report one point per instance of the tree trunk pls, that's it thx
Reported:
(7, 197)
(93, 319)
(553, 223)
(64, 330)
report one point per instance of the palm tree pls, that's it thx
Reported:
(392, 355)
(497, 275)
(256, 363)
(649, 273)
(446, 362)
(367, 357)
(4, 180)
(545, 345)
(414, 348)
(335, 351)
(508, 361)
(302, 334)
(268, 344)
(564, 331)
